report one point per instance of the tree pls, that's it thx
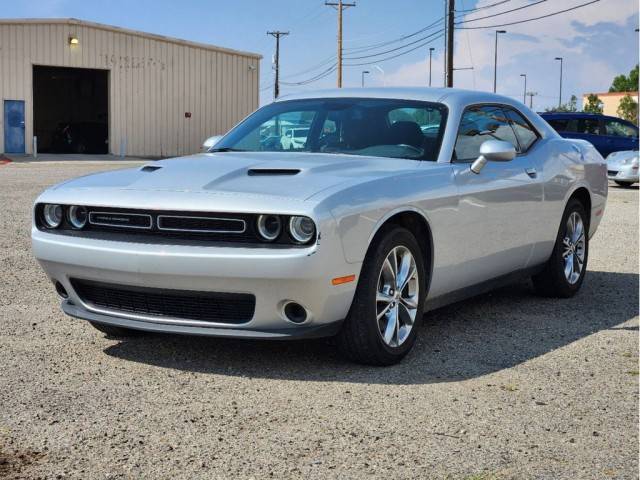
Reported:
(594, 105)
(624, 83)
(628, 109)
(570, 106)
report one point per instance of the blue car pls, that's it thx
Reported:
(607, 134)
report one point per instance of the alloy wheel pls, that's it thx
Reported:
(574, 244)
(397, 296)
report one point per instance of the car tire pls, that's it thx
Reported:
(365, 338)
(116, 332)
(560, 277)
(624, 184)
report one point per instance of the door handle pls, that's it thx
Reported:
(532, 172)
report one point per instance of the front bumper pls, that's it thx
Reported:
(622, 173)
(273, 276)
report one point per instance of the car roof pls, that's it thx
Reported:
(580, 115)
(426, 94)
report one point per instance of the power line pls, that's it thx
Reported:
(395, 49)
(319, 76)
(482, 8)
(502, 13)
(399, 39)
(395, 56)
(531, 19)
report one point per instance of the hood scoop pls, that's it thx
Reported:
(255, 172)
(150, 168)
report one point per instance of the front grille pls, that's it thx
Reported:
(219, 307)
(181, 223)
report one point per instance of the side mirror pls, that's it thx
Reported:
(210, 142)
(493, 151)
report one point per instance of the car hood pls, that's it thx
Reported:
(286, 175)
(626, 157)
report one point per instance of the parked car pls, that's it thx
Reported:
(607, 134)
(622, 167)
(294, 138)
(354, 235)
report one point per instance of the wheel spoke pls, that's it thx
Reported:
(382, 297)
(410, 313)
(409, 302)
(392, 326)
(568, 266)
(384, 311)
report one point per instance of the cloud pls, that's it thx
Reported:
(597, 42)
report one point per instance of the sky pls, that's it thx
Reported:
(597, 41)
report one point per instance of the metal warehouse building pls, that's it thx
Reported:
(82, 87)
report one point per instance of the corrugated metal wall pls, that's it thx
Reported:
(152, 82)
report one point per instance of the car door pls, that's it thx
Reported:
(618, 135)
(499, 205)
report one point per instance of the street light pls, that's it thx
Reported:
(560, 96)
(524, 95)
(363, 72)
(495, 63)
(431, 49)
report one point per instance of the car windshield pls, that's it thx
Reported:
(354, 126)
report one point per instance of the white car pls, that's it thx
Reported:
(294, 138)
(356, 234)
(622, 167)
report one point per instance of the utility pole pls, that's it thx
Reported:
(450, 19)
(524, 94)
(364, 72)
(340, 6)
(560, 96)
(277, 35)
(431, 49)
(531, 95)
(495, 62)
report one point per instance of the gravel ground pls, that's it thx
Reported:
(505, 386)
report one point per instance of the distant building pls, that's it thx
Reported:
(83, 87)
(610, 101)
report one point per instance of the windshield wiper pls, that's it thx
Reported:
(226, 149)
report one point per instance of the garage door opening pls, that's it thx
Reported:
(71, 110)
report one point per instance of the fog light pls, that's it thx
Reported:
(295, 312)
(61, 290)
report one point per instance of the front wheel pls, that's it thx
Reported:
(383, 321)
(564, 272)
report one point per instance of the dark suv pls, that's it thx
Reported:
(607, 134)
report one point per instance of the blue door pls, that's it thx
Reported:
(14, 126)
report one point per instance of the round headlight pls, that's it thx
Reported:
(52, 215)
(302, 229)
(77, 216)
(269, 226)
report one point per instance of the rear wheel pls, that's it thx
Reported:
(118, 332)
(383, 321)
(564, 272)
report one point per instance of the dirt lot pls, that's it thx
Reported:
(506, 386)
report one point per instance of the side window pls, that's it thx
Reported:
(559, 125)
(478, 125)
(590, 126)
(287, 131)
(619, 129)
(525, 132)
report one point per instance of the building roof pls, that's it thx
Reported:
(611, 94)
(101, 26)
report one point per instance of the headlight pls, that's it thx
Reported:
(52, 215)
(302, 229)
(269, 227)
(77, 216)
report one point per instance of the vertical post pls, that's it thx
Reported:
(560, 95)
(446, 40)
(450, 19)
(340, 6)
(524, 93)
(363, 74)
(495, 62)
(35, 147)
(276, 86)
(431, 49)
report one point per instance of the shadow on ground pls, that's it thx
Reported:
(466, 340)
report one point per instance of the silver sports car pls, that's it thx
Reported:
(397, 201)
